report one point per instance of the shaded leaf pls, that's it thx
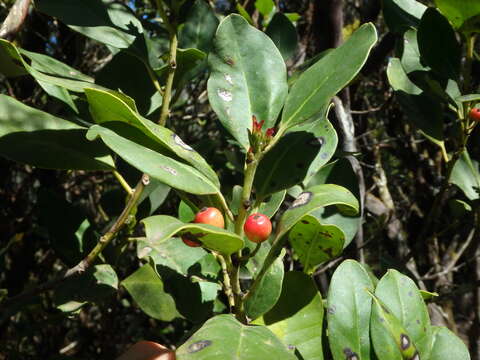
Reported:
(298, 320)
(466, 176)
(223, 337)
(268, 291)
(297, 156)
(400, 15)
(248, 77)
(447, 346)
(271, 206)
(459, 12)
(199, 28)
(146, 288)
(284, 34)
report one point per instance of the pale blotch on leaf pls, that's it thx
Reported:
(180, 142)
(404, 341)
(302, 199)
(229, 79)
(225, 95)
(199, 345)
(169, 169)
(144, 252)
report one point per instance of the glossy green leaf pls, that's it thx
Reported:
(447, 346)
(468, 98)
(171, 253)
(268, 291)
(314, 243)
(390, 339)
(248, 77)
(94, 284)
(297, 317)
(161, 227)
(284, 34)
(199, 28)
(146, 288)
(340, 173)
(76, 83)
(224, 338)
(316, 197)
(310, 95)
(297, 156)
(106, 106)
(466, 175)
(400, 15)
(402, 297)
(271, 206)
(420, 109)
(348, 312)
(171, 172)
(108, 22)
(438, 45)
(460, 13)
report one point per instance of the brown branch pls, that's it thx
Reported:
(15, 19)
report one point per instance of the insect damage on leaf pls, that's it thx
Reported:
(302, 199)
(225, 95)
(350, 355)
(180, 142)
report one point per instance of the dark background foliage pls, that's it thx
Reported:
(401, 172)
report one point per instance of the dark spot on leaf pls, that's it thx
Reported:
(410, 293)
(302, 199)
(305, 222)
(385, 309)
(199, 345)
(416, 356)
(229, 61)
(291, 347)
(326, 234)
(404, 341)
(382, 320)
(329, 252)
(418, 321)
(331, 309)
(317, 142)
(350, 355)
(324, 155)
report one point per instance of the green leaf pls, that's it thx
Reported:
(340, 173)
(402, 297)
(146, 288)
(161, 227)
(466, 176)
(169, 171)
(268, 291)
(76, 83)
(389, 337)
(248, 77)
(270, 207)
(459, 12)
(401, 15)
(438, 45)
(241, 10)
(311, 93)
(314, 243)
(284, 35)
(316, 197)
(96, 283)
(106, 106)
(423, 111)
(447, 346)
(298, 320)
(199, 28)
(108, 22)
(224, 338)
(348, 312)
(171, 253)
(468, 98)
(297, 156)
(264, 7)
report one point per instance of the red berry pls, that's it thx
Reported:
(475, 114)
(191, 243)
(257, 227)
(211, 216)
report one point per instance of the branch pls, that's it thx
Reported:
(15, 19)
(83, 265)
